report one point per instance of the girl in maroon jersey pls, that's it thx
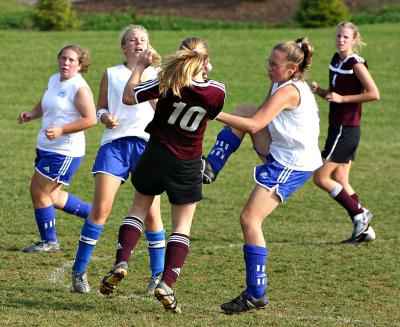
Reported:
(172, 159)
(350, 84)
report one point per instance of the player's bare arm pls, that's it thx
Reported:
(144, 61)
(85, 105)
(27, 116)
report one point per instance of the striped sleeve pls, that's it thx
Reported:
(148, 90)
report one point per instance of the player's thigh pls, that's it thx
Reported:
(261, 141)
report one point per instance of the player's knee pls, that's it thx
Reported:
(318, 179)
(244, 221)
(99, 214)
(153, 222)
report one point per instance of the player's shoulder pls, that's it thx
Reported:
(355, 59)
(217, 85)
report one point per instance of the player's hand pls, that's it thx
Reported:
(24, 117)
(53, 132)
(314, 86)
(334, 97)
(145, 58)
(110, 121)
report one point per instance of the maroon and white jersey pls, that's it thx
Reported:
(180, 122)
(343, 80)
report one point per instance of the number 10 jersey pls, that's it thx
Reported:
(180, 122)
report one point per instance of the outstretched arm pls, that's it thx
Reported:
(285, 98)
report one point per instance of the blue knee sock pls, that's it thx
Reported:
(156, 246)
(224, 146)
(46, 222)
(76, 206)
(255, 258)
(90, 233)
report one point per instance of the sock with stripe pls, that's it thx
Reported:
(46, 222)
(156, 247)
(175, 256)
(90, 233)
(255, 258)
(128, 236)
(226, 144)
(77, 207)
(340, 195)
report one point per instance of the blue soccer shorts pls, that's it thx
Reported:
(282, 180)
(119, 157)
(56, 167)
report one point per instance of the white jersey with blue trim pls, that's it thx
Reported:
(132, 119)
(58, 110)
(295, 132)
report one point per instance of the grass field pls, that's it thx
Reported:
(313, 279)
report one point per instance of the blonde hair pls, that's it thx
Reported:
(156, 58)
(178, 70)
(358, 42)
(299, 52)
(83, 56)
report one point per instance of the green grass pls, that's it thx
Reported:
(313, 280)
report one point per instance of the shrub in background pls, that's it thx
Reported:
(316, 13)
(56, 15)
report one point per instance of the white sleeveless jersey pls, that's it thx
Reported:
(59, 110)
(295, 132)
(132, 119)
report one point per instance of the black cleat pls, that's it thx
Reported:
(244, 302)
(209, 175)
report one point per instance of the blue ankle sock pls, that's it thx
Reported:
(224, 146)
(46, 222)
(156, 246)
(76, 206)
(90, 233)
(255, 258)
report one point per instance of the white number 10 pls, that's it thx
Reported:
(184, 122)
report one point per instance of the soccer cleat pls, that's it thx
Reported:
(80, 282)
(154, 281)
(209, 175)
(43, 246)
(361, 222)
(367, 236)
(166, 296)
(113, 277)
(244, 302)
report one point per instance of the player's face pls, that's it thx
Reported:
(136, 42)
(68, 64)
(279, 69)
(207, 67)
(345, 41)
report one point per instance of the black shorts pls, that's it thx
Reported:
(158, 170)
(341, 143)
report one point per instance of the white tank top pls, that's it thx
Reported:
(132, 120)
(295, 132)
(59, 110)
